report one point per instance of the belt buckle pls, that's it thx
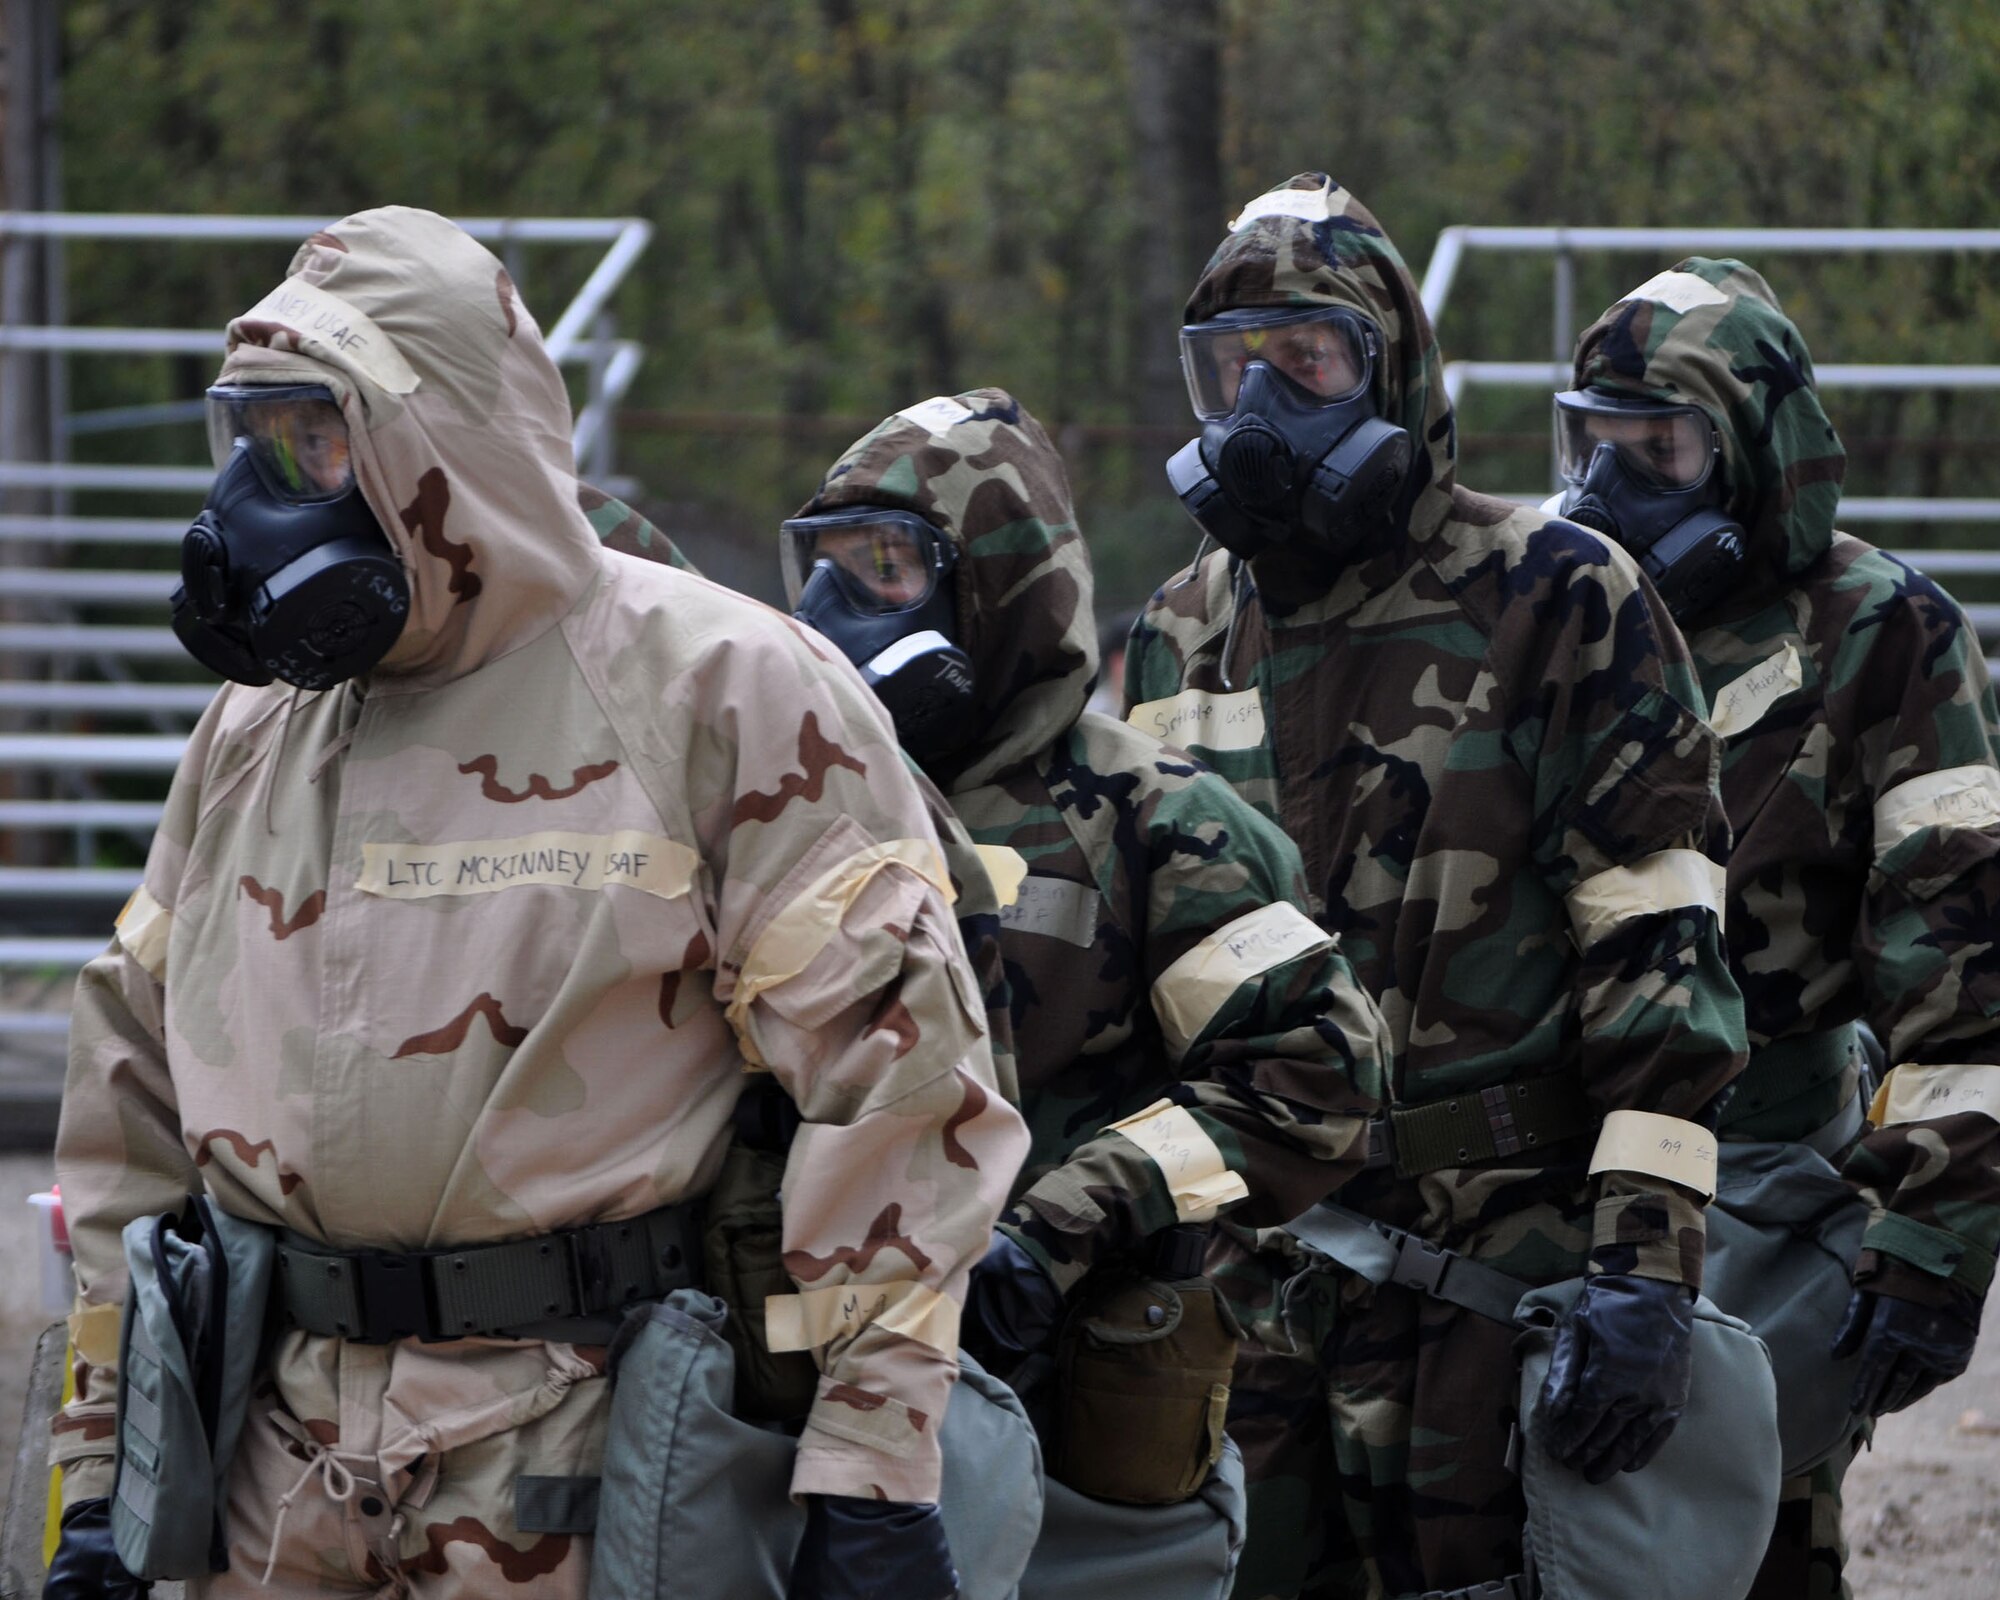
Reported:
(1420, 1264)
(1381, 1145)
(395, 1297)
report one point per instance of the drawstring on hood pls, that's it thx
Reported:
(980, 469)
(1709, 333)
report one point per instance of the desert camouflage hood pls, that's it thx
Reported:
(460, 421)
(1311, 243)
(1709, 333)
(983, 472)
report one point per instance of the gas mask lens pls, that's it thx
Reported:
(296, 434)
(885, 561)
(1322, 349)
(1661, 447)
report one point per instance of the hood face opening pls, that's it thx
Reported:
(982, 471)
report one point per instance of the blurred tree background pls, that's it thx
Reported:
(863, 202)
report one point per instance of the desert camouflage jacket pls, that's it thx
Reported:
(1859, 773)
(1164, 978)
(1486, 738)
(484, 946)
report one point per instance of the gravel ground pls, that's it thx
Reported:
(1923, 1509)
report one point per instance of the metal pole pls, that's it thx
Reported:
(1565, 315)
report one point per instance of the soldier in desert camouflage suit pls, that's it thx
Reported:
(482, 946)
(1487, 740)
(1162, 974)
(1859, 775)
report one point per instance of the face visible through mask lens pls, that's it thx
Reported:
(1319, 350)
(297, 434)
(1663, 448)
(888, 560)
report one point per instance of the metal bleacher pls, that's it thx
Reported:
(96, 694)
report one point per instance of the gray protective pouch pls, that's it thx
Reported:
(1783, 1235)
(1095, 1550)
(192, 1333)
(695, 1501)
(1690, 1525)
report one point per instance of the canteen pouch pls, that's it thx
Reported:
(743, 1254)
(190, 1339)
(1142, 1387)
(1783, 1235)
(1694, 1522)
(1093, 1550)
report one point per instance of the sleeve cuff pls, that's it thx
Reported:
(1934, 1251)
(1647, 1228)
(833, 1466)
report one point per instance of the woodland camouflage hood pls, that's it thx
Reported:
(980, 469)
(1710, 334)
(460, 422)
(1311, 243)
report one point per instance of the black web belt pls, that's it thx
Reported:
(1494, 1124)
(511, 1288)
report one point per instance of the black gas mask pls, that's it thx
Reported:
(876, 583)
(1648, 475)
(286, 573)
(1292, 447)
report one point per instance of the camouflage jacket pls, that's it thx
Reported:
(482, 947)
(1165, 980)
(1859, 773)
(1486, 738)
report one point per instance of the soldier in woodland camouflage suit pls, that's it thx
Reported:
(1859, 775)
(1487, 740)
(482, 945)
(1162, 973)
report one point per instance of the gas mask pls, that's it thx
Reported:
(1648, 476)
(875, 582)
(286, 573)
(1291, 446)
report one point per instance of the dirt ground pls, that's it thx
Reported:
(1923, 1512)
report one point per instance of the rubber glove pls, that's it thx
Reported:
(1618, 1380)
(1907, 1349)
(86, 1565)
(1012, 1307)
(868, 1549)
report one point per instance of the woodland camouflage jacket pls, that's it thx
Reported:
(483, 946)
(1486, 738)
(1859, 773)
(1162, 973)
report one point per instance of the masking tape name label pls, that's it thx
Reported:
(1005, 868)
(1664, 881)
(1742, 702)
(1916, 1094)
(1957, 797)
(1309, 205)
(345, 333)
(815, 1317)
(1189, 993)
(94, 1331)
(143, 929)
(628, 859)
(1056, 908)
(1661, 1147)
(1197, 1177)
(1195, 719)
(1679, 291)
(936, 414)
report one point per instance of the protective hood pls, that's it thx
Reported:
(1710, 334)
(460, 421)
(983, 472)
(1311, 243)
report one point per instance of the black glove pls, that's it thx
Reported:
(867, 1549)
(86, 1566)
(1012, 1307)
(1618, 1380)
(1907, 1349)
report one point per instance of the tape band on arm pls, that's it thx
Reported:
(1198, 1178)
(815, 1317)
(1189, 993)
(1916, 1094)
(1660, 1147)
(93, 1333)
(143, 929)
(1957, 797)
(1667, 880)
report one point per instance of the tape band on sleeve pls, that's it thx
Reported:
(798, 933)
(1660, 1147)
(1916, 1094)
(93, 1333)
(1666, 881)
(1198, 1178)
(1958, 797)
(815, 1317)
(1189, 993)
(143, 928)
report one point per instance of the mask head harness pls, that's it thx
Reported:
(286, 573)
(1292, 447)
(876, 583)
(1648, 475)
